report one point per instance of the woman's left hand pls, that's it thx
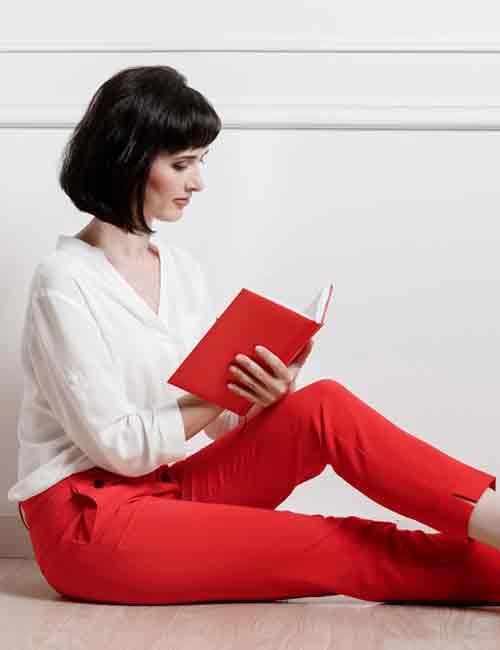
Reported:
(262, 387)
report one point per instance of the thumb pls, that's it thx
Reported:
(306, 351)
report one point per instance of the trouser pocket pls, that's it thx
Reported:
(106, 507)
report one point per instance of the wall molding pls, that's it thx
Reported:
(400, 117)
(255, 43)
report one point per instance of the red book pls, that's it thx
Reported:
(249, 320)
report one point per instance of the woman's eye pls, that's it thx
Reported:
(181, 167)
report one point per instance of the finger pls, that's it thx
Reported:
(253, 369)
(260, 389)
(302, 356)
(307, 348)
(235, 388)
(275, 363)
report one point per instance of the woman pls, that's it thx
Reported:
(116, 512)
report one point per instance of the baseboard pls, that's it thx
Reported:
(15, 540)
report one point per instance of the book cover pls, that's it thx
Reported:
(249, 320)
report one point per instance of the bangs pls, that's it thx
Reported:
(193, 124)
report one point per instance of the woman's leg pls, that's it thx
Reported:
(484, 523)
(324, 423)
(205, 528)
(101, 537)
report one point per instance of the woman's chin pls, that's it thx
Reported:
(169, 215)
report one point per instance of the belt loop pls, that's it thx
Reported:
(22, 516)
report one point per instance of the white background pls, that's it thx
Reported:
(360, 146)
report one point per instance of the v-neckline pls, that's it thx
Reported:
(95, 251)
(160, 296)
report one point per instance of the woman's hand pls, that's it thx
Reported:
(262, 386)
(299, 361)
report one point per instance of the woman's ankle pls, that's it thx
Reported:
(484, 522)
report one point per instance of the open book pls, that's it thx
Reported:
(249, 320)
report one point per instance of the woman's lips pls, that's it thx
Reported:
(182, 201)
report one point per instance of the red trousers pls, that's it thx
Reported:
(206, 529)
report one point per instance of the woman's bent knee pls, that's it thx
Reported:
(327, 386)
(320, 391)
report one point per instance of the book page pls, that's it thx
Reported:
(316, 309)
(278, 302)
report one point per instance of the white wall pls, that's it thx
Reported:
(360, 145)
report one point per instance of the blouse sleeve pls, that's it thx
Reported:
(75, 372)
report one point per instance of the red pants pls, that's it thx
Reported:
(206, 529)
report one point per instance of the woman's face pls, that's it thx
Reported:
(172, 176)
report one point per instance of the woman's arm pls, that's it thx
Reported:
(197, 413)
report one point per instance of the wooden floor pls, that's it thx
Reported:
(33, 616)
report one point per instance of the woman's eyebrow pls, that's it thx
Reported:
(192, 157)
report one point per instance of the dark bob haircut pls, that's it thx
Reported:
(133, 116)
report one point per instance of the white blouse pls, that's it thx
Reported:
(96, 359)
